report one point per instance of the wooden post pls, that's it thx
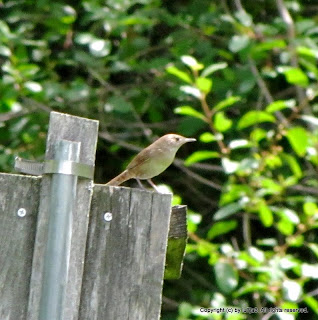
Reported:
(81, 130)
(177, 240)
(118, 240)
(125, 256)
(19, 201)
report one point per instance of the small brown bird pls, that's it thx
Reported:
(152, 160)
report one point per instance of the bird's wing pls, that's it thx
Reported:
(143, 157)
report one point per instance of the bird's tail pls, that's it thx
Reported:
(124, 176)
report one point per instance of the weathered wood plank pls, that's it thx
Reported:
(63, 126)
(177, 240)
(17, 241)
(125, 257)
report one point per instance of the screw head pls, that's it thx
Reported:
(21, 212)
(108, 216)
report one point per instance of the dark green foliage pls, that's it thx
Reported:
(240, 76)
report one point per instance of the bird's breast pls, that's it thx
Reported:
(155, 165)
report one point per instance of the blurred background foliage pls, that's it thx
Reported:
(240, 76)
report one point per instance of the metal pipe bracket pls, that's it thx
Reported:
(54, 166)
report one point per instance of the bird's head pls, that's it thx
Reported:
(175, 141)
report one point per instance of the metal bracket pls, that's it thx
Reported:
(54, 166)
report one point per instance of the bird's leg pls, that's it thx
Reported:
(140, 184)
(153, 185)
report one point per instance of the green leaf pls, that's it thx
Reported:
(287, 214)
(118, 104)
(271, 44)
(310, 208)
(311, 302)
(309, 270)
(265, 214)
(238, 43)
(5, 51)
(229, 165)
(293, 164)
(280, 105)
(207, 137)
(185, 309)
(307, 52)
(239, 143)
(251, 287)
(221, 122)
(189, 111)
(226, 277)
(179, 74)
(200, 156)
(285, 227)
(220, 228)
(310, 119)
(313, 247)
(226, 103)
(294, 76)
(258, 134)
(100, 47)
(192, 63)
(191, 90)
(227, 211)
(213, 68)
(204, 84)
(292, 290)
(298, 139)
(254, 117)
(244, 18)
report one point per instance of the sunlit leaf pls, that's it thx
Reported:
(189, 111)
(201, 156)
(258, 134)
(310, 208)
(266, 215)
(310, 119)
(280, 105)
(179, 74)
(298, 139)
(307, 52)
(309, 270)
(228, 102)
(229, 166)
(294, 76)
(311, 302)
(213, 68)
(254, 117)
(292, 290)
(204, 84)
(192, 62)
(221, 122)
(100, 47)
(285, 226)
(207, 137)
(191, 91)
(239, 143)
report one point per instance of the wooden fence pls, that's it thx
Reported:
(104, 259)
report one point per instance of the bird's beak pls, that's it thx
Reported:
(190, 139)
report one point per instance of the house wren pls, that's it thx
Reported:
(152, 160)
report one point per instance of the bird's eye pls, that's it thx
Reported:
(177, 138)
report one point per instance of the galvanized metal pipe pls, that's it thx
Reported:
(56, 264)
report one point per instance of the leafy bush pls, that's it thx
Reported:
(241, 77)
